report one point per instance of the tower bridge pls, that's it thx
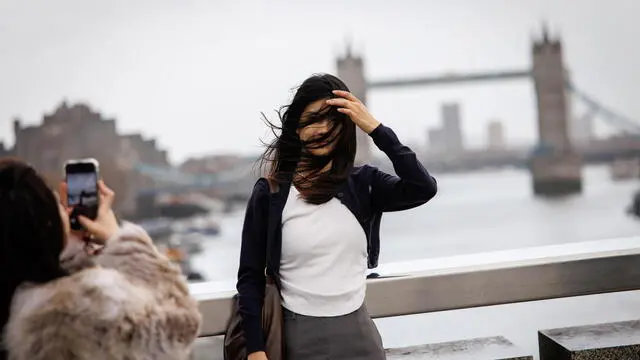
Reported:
(554, 162)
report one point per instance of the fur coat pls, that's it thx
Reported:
(128, 302)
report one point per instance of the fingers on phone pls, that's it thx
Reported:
(106, 193)
(62, 193)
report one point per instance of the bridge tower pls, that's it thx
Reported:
(556, 166)
(351, 71)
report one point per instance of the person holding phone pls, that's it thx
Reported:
(322, 224)
(61, 297)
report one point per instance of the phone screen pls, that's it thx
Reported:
(82, 191)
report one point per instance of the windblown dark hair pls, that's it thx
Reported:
(288, 159)
(31, 233)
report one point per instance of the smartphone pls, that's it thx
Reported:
(82, 177)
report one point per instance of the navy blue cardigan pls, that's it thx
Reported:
(367, 193)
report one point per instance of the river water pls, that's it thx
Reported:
(481, 212)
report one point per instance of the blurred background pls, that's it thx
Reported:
(525, 111)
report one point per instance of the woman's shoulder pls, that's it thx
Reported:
(363, 172)
(262, 188)
(96, 293)
(70, 291)
(95, 303)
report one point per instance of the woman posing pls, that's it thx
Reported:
(320, 216)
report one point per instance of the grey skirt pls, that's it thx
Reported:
(350, 337)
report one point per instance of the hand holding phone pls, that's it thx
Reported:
(105, 224)
(81, 177)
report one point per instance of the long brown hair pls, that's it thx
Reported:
(31, 233)
(288, 159)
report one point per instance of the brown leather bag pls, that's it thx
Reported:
(234, 340)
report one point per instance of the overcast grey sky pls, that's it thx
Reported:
(196, 74)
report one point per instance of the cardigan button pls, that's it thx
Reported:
(340, 195)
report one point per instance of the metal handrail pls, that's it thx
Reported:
(475, 280)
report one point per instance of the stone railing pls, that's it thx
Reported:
(478, 280)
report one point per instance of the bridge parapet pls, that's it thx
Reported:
(475, 280)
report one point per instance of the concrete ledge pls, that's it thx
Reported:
(474, 280)
(208, 348)
(620, 340)
(492, 348)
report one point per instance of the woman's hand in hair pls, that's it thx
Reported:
(105, 225)
(348, 104)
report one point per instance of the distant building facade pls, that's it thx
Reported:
(447, 138)
(495, 135)
(436, 143)
(211, 164)
(236, 174)
(79, 132)
(452, 128)
(4, 151)
(68, 132)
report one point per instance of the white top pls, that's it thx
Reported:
(324, 258)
